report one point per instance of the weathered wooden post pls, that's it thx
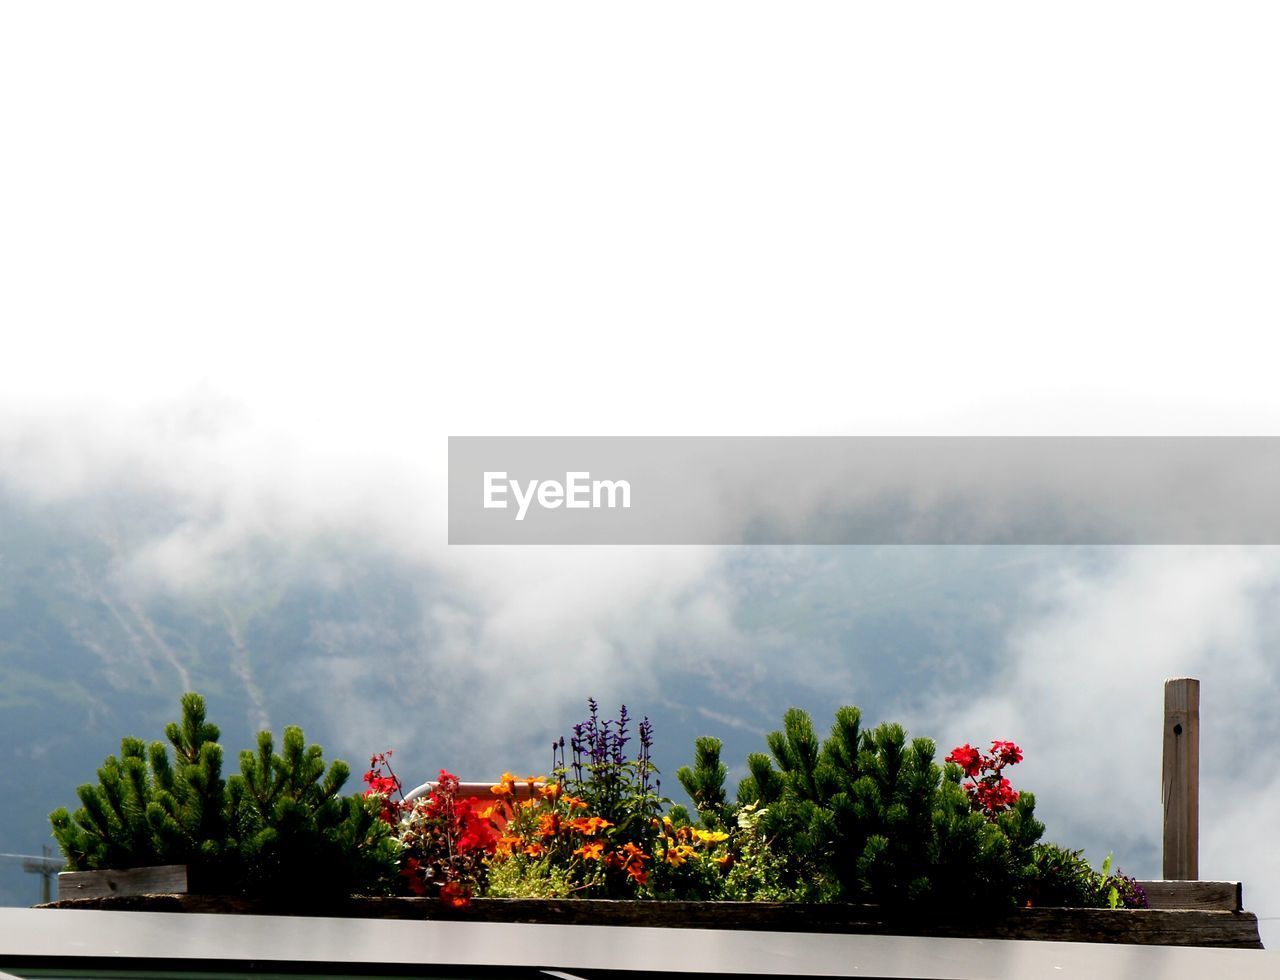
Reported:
(1181, 781)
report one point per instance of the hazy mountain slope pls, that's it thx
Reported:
(85, 660)
(369, 651)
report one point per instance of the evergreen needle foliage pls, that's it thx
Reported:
(705, 781)
(870, 817)
(280, 825)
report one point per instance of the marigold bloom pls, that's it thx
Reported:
(632, 853)
(549, 824)
(591, 851)
(590, 826)
(506, 785)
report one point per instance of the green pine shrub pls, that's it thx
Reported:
(279, 825)
(868, 816)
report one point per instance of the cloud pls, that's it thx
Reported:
(199, 503)
(471, 655)
(1079, 684)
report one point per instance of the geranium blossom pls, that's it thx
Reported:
(990, 792)
(967, 758)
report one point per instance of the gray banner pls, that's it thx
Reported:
(837, 490)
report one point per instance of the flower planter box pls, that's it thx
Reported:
(1210, 923)
(168, 879)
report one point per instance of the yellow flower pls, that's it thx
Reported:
(711, 836)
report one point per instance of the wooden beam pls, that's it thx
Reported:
(1156, 927)
(165, 879)
(1206, 896)
(1181, 778)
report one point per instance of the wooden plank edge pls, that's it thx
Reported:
(1226, 896)
(164, 879)
(1161, 927)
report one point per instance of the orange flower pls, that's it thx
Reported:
(551, 791)
(638, 872)
(591, 851)
(574, 802)
(632, 853)
(506, 785)
(725, 861)
(533, 850)
(588, 825)
(455, 895)
(549, 824)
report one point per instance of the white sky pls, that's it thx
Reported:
(372, 230)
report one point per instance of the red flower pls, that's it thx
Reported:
(412, 874)
(455, 895)
(385, 785)
(967, 758)
(989, 792)
(995, 796)
(1006, 752)
(475, 832)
